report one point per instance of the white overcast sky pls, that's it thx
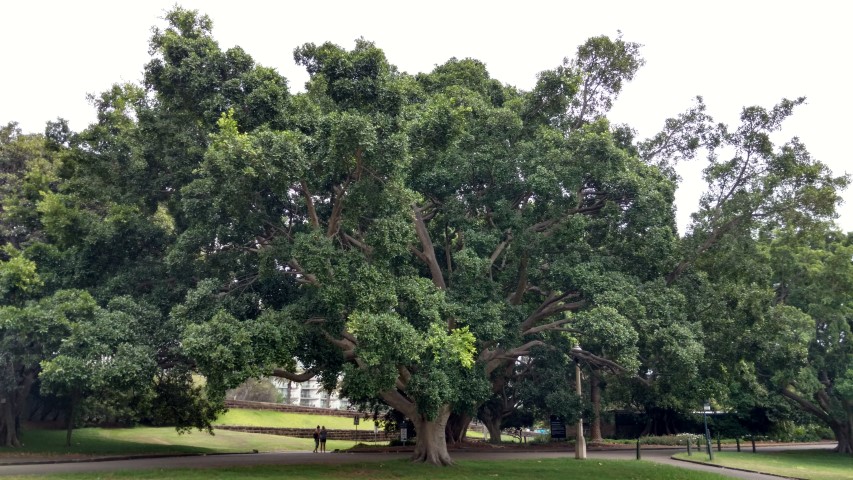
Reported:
(734, 53)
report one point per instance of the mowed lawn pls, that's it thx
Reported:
(162, 440)
(271, 418)
(545, 469)
(159, 440)
(810, 464)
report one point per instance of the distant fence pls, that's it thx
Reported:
(359, 436)
(282, 407)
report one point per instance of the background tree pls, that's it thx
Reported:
(604, 65)
(102, 362)
(255, 390)
(753, 186)
(802, 346)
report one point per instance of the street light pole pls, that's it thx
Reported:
(705, 411)
(580, 442)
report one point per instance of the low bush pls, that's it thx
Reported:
(400, 443)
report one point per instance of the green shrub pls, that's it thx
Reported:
(400, 443)
(788, 431)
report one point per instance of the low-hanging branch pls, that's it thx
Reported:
(603, 363)
(294, 377)
(806, 404)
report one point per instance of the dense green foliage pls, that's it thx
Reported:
(441, 242)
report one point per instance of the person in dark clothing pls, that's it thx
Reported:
(323, 435)
(316, 438)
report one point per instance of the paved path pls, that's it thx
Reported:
(297, 458)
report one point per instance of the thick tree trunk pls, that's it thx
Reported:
(431, 446)
(8, 430)
(457, 428)
(840, 420)
(844, 434)
(493, 414)
(493, 425)
(595, 398)
(12, 405)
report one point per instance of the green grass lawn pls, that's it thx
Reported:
(149, 440)
(811, 464)
(271, 418)
(545, 469)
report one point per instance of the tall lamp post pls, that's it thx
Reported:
(707, 408)
(580, 442)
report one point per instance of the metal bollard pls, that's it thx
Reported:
(737, 442)
(719, 445)
(638, 448)
(753, 444)
(689, 453)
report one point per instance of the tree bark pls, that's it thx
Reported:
(457, 428)
(69, 424)
(595, 398)
(493, 425)
(7, 425)
(844, 434)
(841, 423)
(431, 446)
(13, 404)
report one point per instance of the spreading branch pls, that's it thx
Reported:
(365, 248)
(599, 362)
(309, 203)
(304, 277)
(554, 304)
(709, 242)
(521, 287)
(806, 405)
(548, 227)
(553, 326)
(337, 209)
(498, 358)
(397, 401)
(428, 253)
(294, 377)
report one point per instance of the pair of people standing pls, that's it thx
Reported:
(320, 435)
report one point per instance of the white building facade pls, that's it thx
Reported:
(308, 394)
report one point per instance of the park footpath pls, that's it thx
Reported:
(35, 465)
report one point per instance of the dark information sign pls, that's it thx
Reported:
(558, 428)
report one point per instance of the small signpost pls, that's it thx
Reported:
(558, 428)
(355, 421)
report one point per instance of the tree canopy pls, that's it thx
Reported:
(441, 241)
